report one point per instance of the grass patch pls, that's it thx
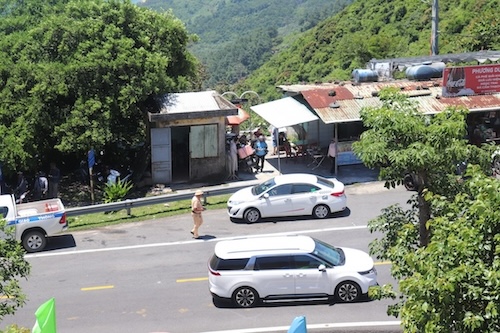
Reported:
(137, 214)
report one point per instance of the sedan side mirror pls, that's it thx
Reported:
(322, 268)
(265, 196)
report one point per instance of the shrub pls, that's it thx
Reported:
(16, 329)
(116, 191)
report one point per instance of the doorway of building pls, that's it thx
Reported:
(180, 154)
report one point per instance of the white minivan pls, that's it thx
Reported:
(250, 270)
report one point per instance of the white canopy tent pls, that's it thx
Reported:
(284, 112)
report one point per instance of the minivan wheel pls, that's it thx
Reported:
(34, 241)
(347, 291)
(321, 211)
(245, 297)
(251, 215)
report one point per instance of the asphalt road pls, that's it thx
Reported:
(152, 277)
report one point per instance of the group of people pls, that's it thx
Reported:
(258, 144)
(44, 186)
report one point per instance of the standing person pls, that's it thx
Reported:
(261, 152)
(83, 171)
(332, 153)
(233, 158)
(54, 179)
(21, 187)
(256, 134)
(243, 140)
(196, 210)
(40, 186)
(274, 135)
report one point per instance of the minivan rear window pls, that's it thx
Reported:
(274, 262)
(218, 264)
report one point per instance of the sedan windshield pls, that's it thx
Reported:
(261, 188)
(329, 253)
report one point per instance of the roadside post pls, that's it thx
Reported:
(91, 162)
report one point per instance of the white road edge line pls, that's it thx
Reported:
(314, 326)
(142, 246)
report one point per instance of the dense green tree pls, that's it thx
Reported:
(230, 31)
(401, 140)
(483, 33)
(369, 29)
(444, 248)
(452, 284)
(82, 74)
(13, 268)
(237, 59)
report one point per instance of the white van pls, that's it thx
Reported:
(249, 270)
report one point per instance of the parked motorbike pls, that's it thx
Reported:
(247, 160)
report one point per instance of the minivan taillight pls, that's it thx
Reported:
(63, 219)
(337, 194)
(214, 272)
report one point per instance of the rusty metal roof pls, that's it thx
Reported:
(341, 102)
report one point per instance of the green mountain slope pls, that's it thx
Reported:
(377, 29)
(238, 36)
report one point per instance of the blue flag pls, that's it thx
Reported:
(91, 158)
(298, 325)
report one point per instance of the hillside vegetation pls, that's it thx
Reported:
(369, 29)
(238, 36)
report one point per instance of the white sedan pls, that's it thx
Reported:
(288, 195)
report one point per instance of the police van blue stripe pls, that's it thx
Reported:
(35, 218)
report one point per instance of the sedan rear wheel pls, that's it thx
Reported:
(251, 215)
(321, 211)
(347, 291)
(245, 297)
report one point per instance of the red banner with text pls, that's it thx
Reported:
(471, 80)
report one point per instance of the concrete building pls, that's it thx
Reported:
(188, 137)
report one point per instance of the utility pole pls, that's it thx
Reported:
(434, 28)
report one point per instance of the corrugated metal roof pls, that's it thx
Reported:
(189, 102)
(348, 98)
(347, 110)
(193, 105)
(480, 56)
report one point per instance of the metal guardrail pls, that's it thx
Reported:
(131, 203)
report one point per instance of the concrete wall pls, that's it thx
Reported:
(208, 167)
